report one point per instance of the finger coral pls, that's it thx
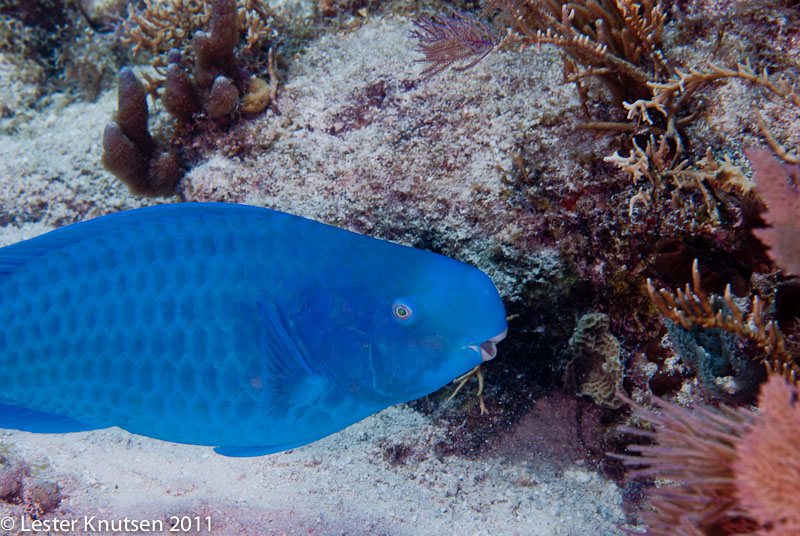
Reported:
(129, 152)
(210, 84)
(725, 471)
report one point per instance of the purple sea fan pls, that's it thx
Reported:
(446, 41)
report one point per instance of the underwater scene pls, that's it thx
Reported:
(400, 267)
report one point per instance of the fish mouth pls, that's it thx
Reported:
(488, 349)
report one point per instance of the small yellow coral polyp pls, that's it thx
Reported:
(768, 466)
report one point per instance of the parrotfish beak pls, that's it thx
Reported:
(488, 349)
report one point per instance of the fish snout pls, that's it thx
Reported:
(488, 349)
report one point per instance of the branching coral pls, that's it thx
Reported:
(708, 176)
(620, 43)
(728, 471)
(162, 26)
(693, 307)
(616, 41)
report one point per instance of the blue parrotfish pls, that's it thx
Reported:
(238, 327)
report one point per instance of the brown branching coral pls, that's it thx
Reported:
(162, 26)
(673, 94)
(693, 307)
(708, 176)
(727, 471)
(617, 41)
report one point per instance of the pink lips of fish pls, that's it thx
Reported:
(488, 349)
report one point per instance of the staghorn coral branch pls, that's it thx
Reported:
(687, 83)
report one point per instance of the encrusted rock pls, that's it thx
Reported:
(42, 495)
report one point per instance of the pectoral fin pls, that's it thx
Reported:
(286, 363)
(246, 452)
(31, 420)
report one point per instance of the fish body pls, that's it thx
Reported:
(238, 327)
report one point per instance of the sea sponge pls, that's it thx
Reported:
(596, 362)
(129, 152)
(257, 97)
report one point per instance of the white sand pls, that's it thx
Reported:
(340, 485)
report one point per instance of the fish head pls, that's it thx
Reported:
(412, 331)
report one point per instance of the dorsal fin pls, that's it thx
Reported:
(246, 452)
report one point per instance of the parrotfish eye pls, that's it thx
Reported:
(402, 310)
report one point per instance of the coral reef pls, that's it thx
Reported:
(692, 309)
(717, 360)
(217, 85)
(58, 38)
(731, 471)
(503, 166)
